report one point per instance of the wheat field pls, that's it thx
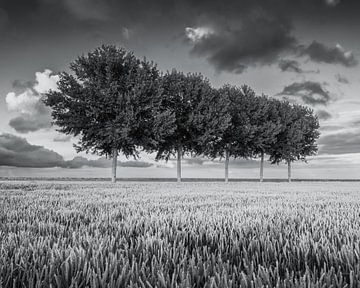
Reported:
(84, 234)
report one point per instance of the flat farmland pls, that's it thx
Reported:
(149, 234)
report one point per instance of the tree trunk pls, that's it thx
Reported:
(114, 164)
(179, 154)
(262, 167)
(227, 166)
(289, 171)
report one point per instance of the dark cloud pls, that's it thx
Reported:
(311, 93)
(31, 122)
(290, 66)
(259, 40)
(320, 53)
(286, 65)
(246, 33)
(16, 151)
(323, 115)
(341, 79)
(341, 143)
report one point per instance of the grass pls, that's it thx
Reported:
(93, 234)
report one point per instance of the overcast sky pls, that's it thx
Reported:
(307, 51)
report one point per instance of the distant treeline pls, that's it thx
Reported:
(117, 103)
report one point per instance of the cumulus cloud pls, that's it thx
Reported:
(323, 115)
(311, 93)
(341, 79)
(320, 53)
(340, 143)
(34, 115)
(197, 34)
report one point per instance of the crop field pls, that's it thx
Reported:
(83, 234)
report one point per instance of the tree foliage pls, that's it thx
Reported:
(181, 96)
(111, 101)
(298, 135)
(233, 110)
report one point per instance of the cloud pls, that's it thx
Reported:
(286, 65)
(62, 138)
(320, 53)
(290, 66)
(341, 143)
(255, 41)
(16, 151)
(250, 34)
(26, 123)
(45, 81)
(341, 79)
(34, 115)
(323, 115)
(198, 34)
(311, 93)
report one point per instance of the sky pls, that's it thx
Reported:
(306, 51)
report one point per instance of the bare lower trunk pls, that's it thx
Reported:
(114, 164)
(179, 153)
(289, 171)
(262, 167)
(226, 166)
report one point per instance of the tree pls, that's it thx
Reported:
(234, 109)
(266, 126)
(298, 135)
(112, 102)
(181, 95)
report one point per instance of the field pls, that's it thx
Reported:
(83, 234)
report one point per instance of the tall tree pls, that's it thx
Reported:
(297, 138)
(111, 102)
(181, 95)
(232, 138)
(266, 125)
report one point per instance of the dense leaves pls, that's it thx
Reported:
(182, 95)
(233, 113)
(298, 134)
(111, 101)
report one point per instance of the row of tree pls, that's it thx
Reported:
(117, 103)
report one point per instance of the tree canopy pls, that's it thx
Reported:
(111, 101)
(181, 97)
(116, 103)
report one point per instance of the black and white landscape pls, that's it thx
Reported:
(109, 108)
